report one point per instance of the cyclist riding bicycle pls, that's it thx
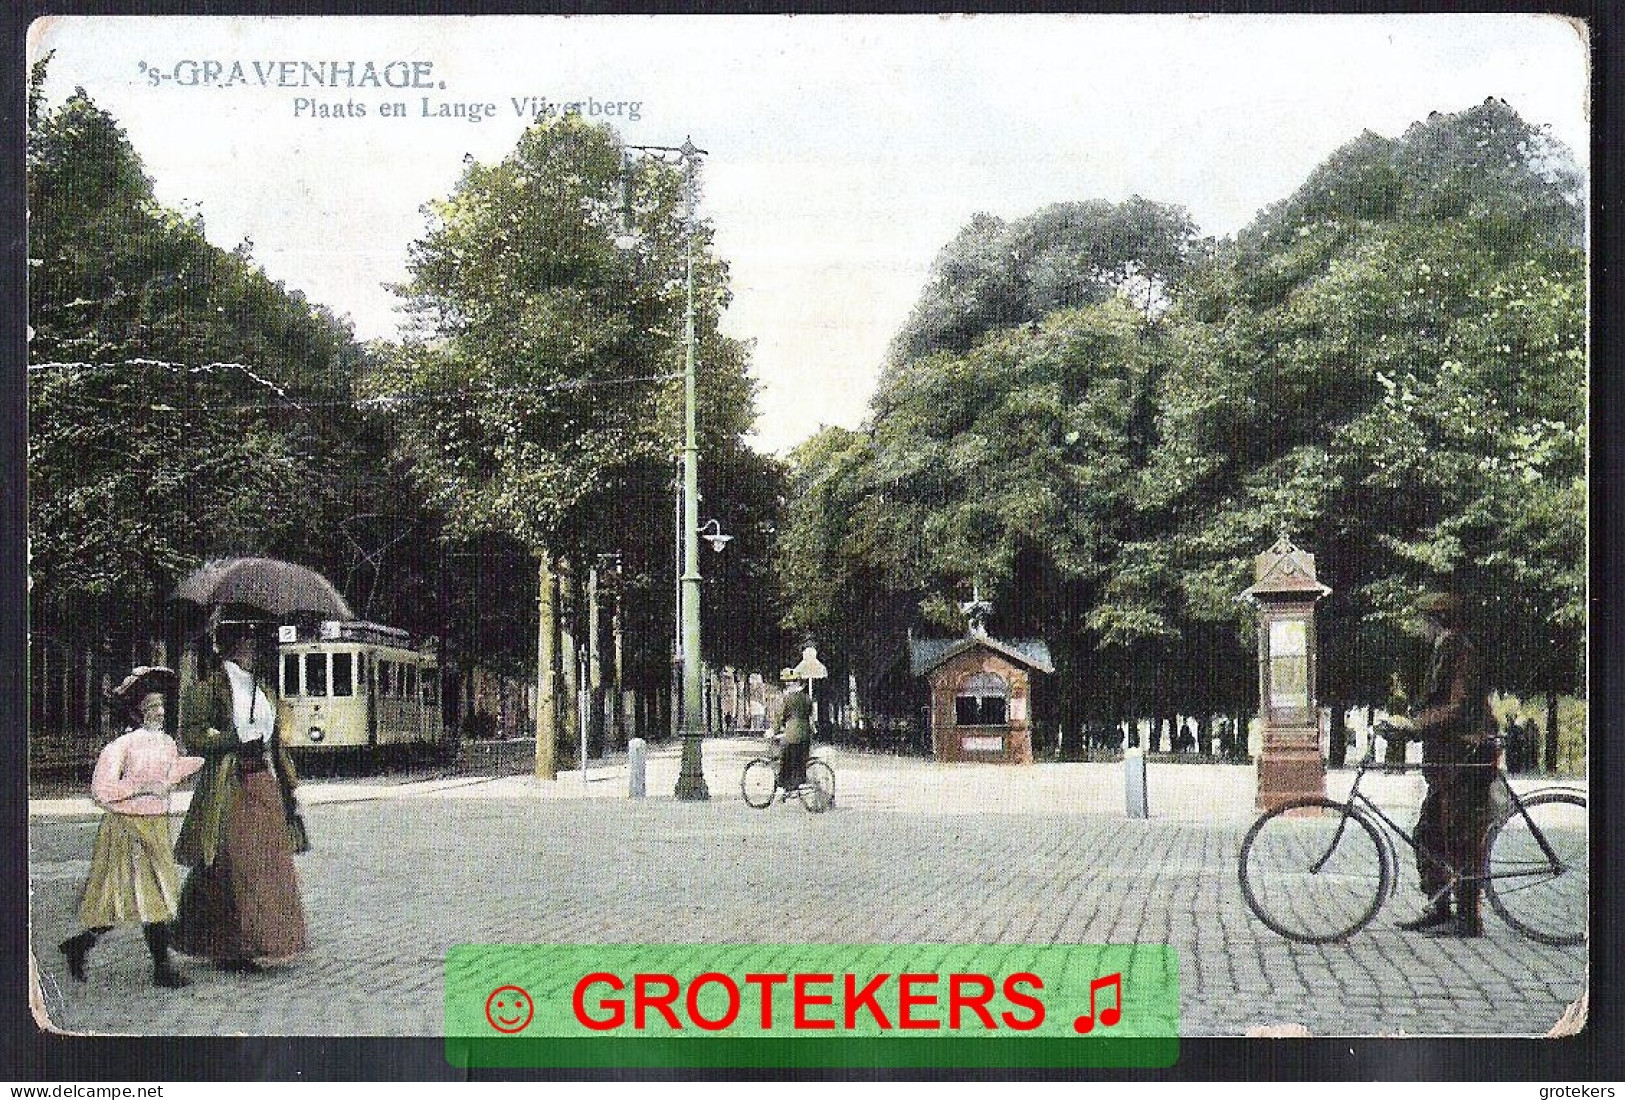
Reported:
(795, 729)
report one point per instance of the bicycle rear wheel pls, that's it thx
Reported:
(1544, 896)
(759, 783)
(1314, 870)
(818, 792)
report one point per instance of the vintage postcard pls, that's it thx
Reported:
(922, 542)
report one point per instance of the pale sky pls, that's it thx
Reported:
(843, 151)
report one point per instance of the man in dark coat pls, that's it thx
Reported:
(1454, 722)
(795, 726)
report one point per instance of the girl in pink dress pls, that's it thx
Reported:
(133, 877)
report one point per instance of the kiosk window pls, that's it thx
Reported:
(315, 674)
(290, 674)
(982, 701)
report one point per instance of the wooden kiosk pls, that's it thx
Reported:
(981, 692)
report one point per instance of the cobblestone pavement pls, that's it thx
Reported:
(912, 852)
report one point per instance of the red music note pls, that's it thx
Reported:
(1083, 1025)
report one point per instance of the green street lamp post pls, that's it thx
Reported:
(691, 776)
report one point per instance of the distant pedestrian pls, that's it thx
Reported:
(1454, 722)
(133, 877)
(241, 901)
(1528, 745)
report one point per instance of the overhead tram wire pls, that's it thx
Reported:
(360, 403)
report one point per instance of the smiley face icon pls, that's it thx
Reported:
(509, 1009)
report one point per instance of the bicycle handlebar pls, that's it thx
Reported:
(1383, 729)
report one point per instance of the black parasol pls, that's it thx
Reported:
(279, 587)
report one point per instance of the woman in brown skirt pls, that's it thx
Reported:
(240, 904)
(132, 873)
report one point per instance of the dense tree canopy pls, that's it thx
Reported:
(1389, 366)
(181, 403)
(538, 398)
(1066, 255)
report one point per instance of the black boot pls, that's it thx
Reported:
(239, 966)
(1467, 924)
(75, 948)
(1437, 915)
(163, 971)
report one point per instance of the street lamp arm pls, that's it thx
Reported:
(712, 533)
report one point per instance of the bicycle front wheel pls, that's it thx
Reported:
(759, 783)
(818, 792)
(1544, 891)
(1314, 870)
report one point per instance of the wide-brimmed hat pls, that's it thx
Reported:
(143, 681)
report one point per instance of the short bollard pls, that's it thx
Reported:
(1134, 783)
(637, 759)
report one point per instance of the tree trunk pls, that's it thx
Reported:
(1551, 732)
(570, 723)
(595, 668)
(547, 726)
(618, 723)
(1338, 749)
(65, 692)
(87, 713)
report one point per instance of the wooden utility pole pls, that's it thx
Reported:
(595, 666)
(547, 712)
(622, 703)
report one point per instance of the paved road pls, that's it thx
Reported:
(913, 852)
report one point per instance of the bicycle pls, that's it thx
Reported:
(1316, 870)
(760, 783)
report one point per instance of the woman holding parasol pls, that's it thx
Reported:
(241, 900)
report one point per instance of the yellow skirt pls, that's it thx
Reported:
(133, 877)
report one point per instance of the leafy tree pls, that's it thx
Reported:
(994, 274)
(536, 397)
(1388, 365)
(1011, 468)
(182, 405)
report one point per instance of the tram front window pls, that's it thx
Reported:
(315, 674)
(343, 676)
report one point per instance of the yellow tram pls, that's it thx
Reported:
(357, 684)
